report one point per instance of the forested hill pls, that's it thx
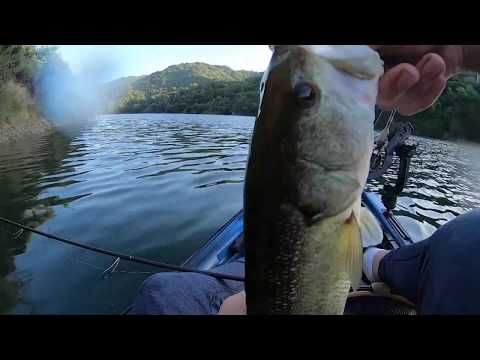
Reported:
(35, 82)
(187, 88)
(189, 74)
(200, 88)
(38, 90)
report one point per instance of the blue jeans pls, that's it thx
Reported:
(439, 274)
(173, 293)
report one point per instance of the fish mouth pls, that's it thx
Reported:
(323, 190)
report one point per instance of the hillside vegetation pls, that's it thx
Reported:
(187, 88)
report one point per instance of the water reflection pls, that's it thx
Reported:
(22, 166)
(153, 186)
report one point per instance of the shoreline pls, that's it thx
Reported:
(27, 127)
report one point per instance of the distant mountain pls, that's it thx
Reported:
(188, 74)
(121, 85)
(199, 88)
(189, 87)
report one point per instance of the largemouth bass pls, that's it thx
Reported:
(308, 164)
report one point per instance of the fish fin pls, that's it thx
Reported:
(353, 251)
(370, 231)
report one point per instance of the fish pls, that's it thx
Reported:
(308, 164)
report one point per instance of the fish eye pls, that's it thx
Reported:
(305, 94)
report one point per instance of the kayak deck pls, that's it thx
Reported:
(227, 245)
(224, 246)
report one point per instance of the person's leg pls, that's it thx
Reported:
(439, 274)
(172, 293)
(400, 269)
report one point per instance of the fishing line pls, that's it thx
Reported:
(378, 118)
(382, 138)
(107, 272)
(120, 256)
(15, 235)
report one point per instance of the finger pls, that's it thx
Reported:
(395, 83)
(430, 67)
(398, 89)
(422, 96)
(427, 90)
(410, 50)
(397, 54)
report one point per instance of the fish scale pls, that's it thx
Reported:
(308, 163)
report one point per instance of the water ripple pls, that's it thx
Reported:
(158, 186)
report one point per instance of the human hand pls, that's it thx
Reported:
(234, 305)
(416, 75)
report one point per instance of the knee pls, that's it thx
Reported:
(153, 291)
(459, 236)
(155, 283)
(470, 218)
(169, 283)
(463, 226)
(162, 293)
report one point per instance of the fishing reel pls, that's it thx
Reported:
(383, 153)
(390, 193)
(387, 145)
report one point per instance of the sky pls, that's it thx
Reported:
(126, 60)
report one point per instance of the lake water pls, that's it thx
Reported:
(157, 186)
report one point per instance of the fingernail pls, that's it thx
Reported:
(405, 81)
(429, 72)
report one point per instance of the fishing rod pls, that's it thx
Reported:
(121, 256)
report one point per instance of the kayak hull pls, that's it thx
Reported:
(227, 243)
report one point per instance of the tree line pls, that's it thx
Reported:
(455, 116)
(27, 75)
(24, 71)
(215, 97)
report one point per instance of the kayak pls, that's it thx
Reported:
(226, 245)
